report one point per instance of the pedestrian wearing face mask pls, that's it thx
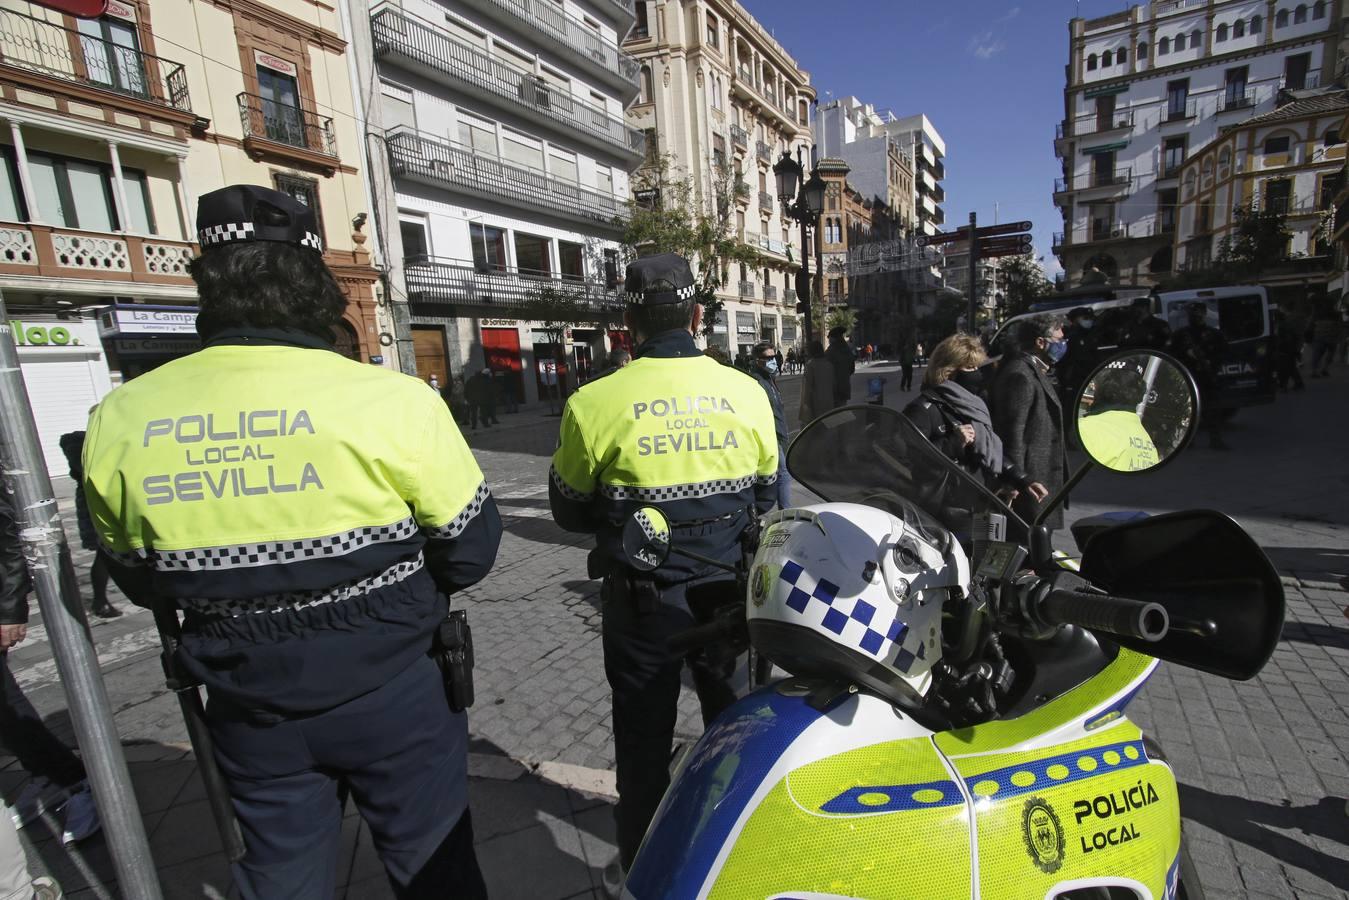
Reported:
(764, 369)
(951, 413)
(1028, 415)
(1083, 350)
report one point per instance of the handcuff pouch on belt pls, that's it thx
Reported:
(452, 649)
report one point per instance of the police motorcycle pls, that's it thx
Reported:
(954, 721)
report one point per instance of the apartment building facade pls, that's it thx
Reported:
(1149, 87)
(718, 92)
(112, 129)
(849, 130)
(1291, 161)
(500, 161)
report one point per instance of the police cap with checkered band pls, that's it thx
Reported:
(658, 280)
(247, 212)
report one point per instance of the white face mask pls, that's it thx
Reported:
(1088, 323)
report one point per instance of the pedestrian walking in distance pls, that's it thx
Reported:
(481, 394)
(844, 360)
(817, 386)
(315, 573)
(615, 452)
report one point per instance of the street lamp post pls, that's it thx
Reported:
(804, 207)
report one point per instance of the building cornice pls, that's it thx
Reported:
(314, 34)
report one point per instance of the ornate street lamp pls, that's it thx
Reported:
(803, 206)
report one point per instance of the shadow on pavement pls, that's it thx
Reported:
(1319, 560)
(541, 531)
(1317, 635)
(1253, 823)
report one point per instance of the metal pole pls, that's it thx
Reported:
(974, 287)
(805, 280)
(48, 556)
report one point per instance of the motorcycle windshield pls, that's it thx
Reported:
(873, 455)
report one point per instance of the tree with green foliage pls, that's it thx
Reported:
(1259, 242)
(701, 229)
(843, 317)
(1023, 283)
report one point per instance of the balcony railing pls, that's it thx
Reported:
(765, 201)
(739, 137)
(938, 194)
(1113, 122)
(938, 169)
(49, 252)
(65, 54)
(1058, 241)
(1086, 180)
(436, 54)
(789, 296)
(747, 290)
(574, 37)
(1177, 112)
(770, 293)
(1309, 81)
(431, 280)
(1233, 99)
(782, 248)
(458, 168)
(288, 125)
(763, 151)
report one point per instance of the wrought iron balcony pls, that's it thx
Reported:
(789, 296)
(765, 201)
(1179, 112)
(1234, 100)
(747, 290)
(65, 54)
(457, 168)
(1058, 242)
(763, 151)
(1308, 81)
(770, 293)
(1116, 121)
(1117, 178)
(431, 280)
(434, 54)
(739, 137)
(286, 125)
(579, 43)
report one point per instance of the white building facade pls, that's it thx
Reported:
(718, 90)
(500, 139)
(1149, 87)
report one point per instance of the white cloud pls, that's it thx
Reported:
(1010, 14)
(986, 45)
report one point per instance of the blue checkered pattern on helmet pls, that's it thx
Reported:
(835, 620)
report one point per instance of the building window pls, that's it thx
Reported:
(1331, 185)
(1319, 9)
(1196, 39)
(1281, 19)
(1188, 184)
(1173, 156)
(1278, 194)
(713, 31)
(1257, 23)
(1235, 87)
(1142, 51)
(716, 92)
(1300, 14)
(521, 150)
(1224, 164)
(1206, 174)
(569, 258)
(282, 119)
(111, 50)
(58, 181)
(719, 151)
(531, 254)
(416, 247)
(478, 135)
(1221, 35)
(1121, 56)
(1295, 70)
(1239, 28)
(489, 248)
(1091, 62)
(604, 179)
(1180, 42)
(1163, 46)
(646, 89)
(1166, 211)
(305, 190)
(1177, 99)
(1276, 145)
(1333, 137)
(1108, 59)
(652, 145)
(562, 165)
(640, 29)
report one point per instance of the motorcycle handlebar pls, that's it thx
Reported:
(1102, 612)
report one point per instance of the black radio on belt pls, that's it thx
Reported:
(452, 649)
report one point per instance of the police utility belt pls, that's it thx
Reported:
(452, 650)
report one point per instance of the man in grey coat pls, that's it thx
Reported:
(1028, 415)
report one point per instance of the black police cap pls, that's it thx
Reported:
(247, 212)
(658, 280)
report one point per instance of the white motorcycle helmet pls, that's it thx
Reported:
(852, 592)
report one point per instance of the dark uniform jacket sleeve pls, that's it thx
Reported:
(1013, 400)
(453, 506)
(14, 581)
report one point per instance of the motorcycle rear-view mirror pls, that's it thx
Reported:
(646, 539)
(1223, 596)
(1136, 411)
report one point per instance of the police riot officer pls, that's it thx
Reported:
(676, 430)
(311, 548)
(1143, 330)
(1203, 350)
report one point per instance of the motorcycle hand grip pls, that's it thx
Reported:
(1101, 612)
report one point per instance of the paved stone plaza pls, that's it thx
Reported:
(1262, 764)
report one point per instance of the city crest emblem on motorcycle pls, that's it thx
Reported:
(759, 585)
(1044, 835)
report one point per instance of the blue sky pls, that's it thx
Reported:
(988, 74)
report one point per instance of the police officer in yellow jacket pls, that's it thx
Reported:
(676, 430)
(1112, 433)
(310, 516)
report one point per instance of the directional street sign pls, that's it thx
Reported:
(1009, 228)
(1008, 246)
(945, 237)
